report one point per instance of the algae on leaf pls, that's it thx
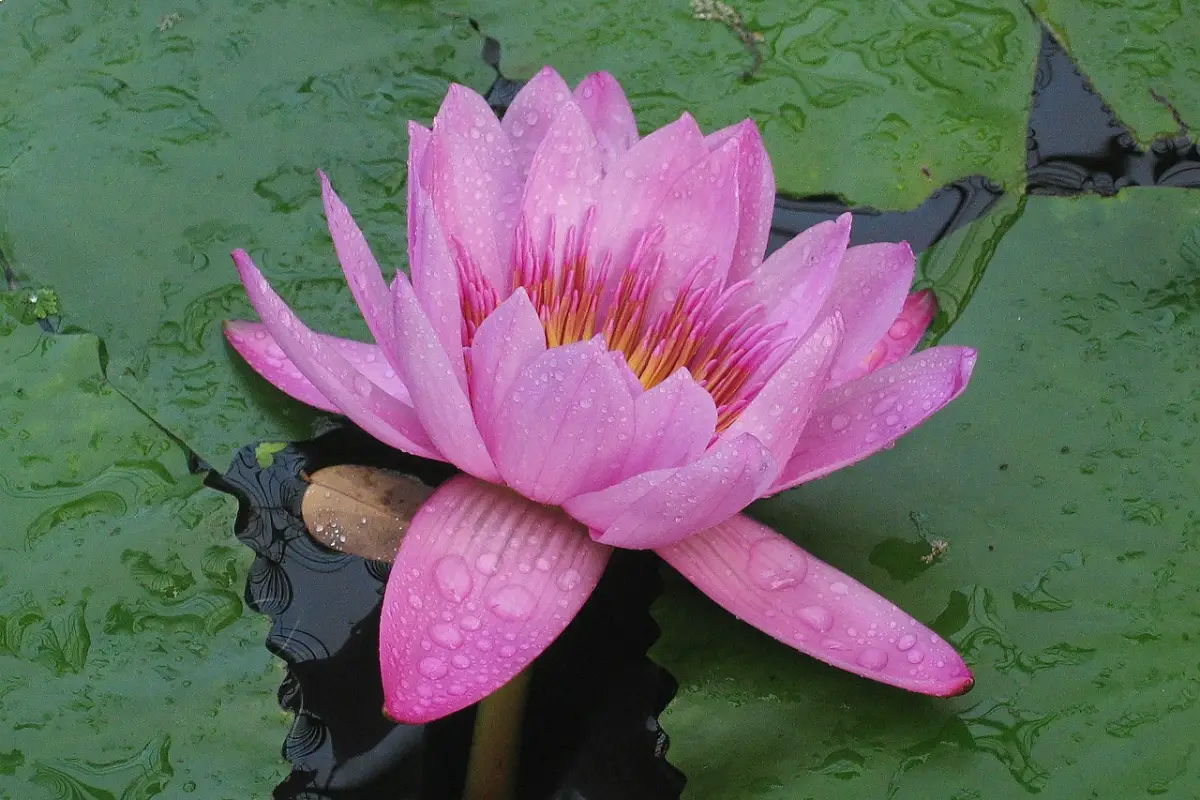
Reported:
(879, 102)
(128, 666)
(1064, 483)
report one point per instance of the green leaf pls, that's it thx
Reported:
(1073, 602)
(195, 128)
(880, 102)
(1141, 56)
(100, 514)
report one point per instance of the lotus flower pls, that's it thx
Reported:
(590, 333)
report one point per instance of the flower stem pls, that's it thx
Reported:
(496, 745)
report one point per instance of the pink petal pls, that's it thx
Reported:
(362, 270)
(901, 338)
(700, 220)
(418, 143)
(636, 186)
(756, 196)
(866, 415)
(607, 110)
(435, 281)
(566, 424)
(471, 174)
(656, 509)
(675, 422)
(258, 347)
(528, 118)
(385, 417)
(563, 180)
(439, 399)
(511, 337)
(778, 414)
(483, 582)
(766, 580)
(872, 284)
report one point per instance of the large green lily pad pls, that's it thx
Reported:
(1064, 483)
(140, 143)
(879, 102)
(128, 667)
(1142, 56)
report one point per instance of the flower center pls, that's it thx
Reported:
(729, 355)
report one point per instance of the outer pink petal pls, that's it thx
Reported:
(563, 180)
(440, 401)
(483, 582)
(435, 282)
(866, 415)
(700, 224)
(636, 186)
(675, 422)
(471, 174)
(693, 497)
(511, 337)
(566, 424)
(418, 143)
(385, 417)
(362, 270)
(779, 412)
(255, 343)
(756, 196)
(766, 580)
(532, 111)
(607, 110)
(901, 338)
(872, 283)
(795, 281)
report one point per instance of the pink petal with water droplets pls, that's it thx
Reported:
(864, 416)
(531, 113)
(901, 338)
(795, 281)
(471, 174)
(699, 216)
(435, 282)
(418, 143)
(483, 582)
(675, 422)
(607, 110)
(756, 196)
(656, 509)
(778, 413)
(255, 343)
(872, 284)
(563, 181)
(766, 580)
(635, 188)
(566, 424)
(385, 417)
(440, 401)
(511, 337)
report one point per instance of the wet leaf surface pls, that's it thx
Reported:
(878, 102)
(127, 666)
(1064, 484)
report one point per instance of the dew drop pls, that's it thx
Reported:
(456, 689)
(469, 623)
(872, 658)
(488, 563)
(446, 635)
(568, 580)
(414, 600)
(511, 602)
(483, 645)
(838, 588)
(915, 656)
(839, 422)
(362, 386)
(543, 565)
(818, 618)
(906, 642)
(460, 661)
(776, 564)
(452, 577)
(432, 668)
(508, 651)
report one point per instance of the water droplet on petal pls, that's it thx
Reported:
(432, 668)
(838, 588)
(818, 618)
(568, 580)
(460, 661)
(872, 658)
(469, 623)
(488, 563)
(776, 564)
(452, 578)
(511, 602)
(362, 386)
(915, 656)
(446, 635)
(839, 422)
(906, 642)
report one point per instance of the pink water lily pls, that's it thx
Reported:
(590, 333)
